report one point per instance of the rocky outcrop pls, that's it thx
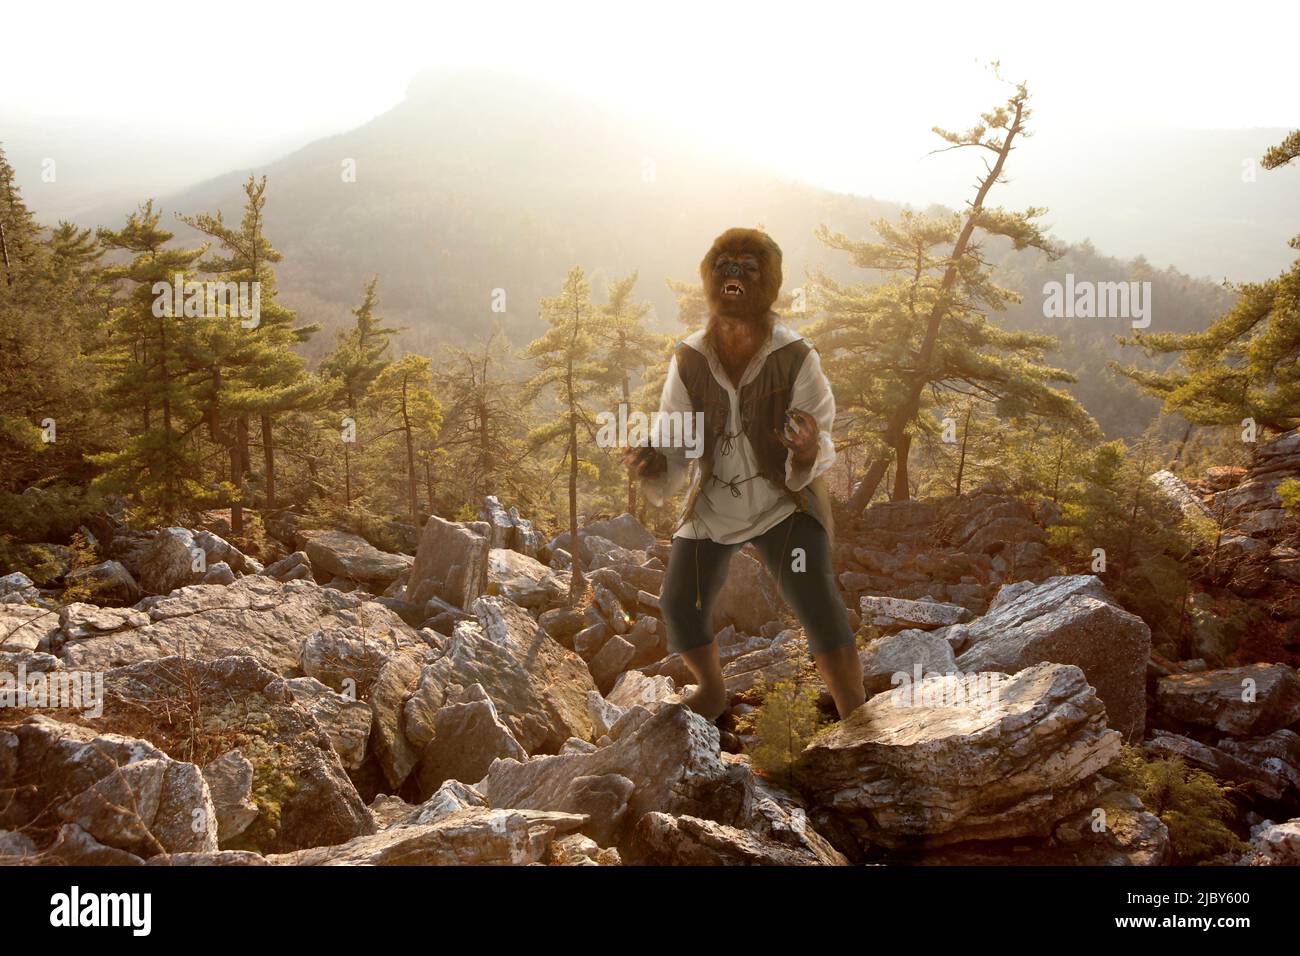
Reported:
(256, 616)
(451, 562)
(1243, 701)
(476, 836)
(523, 580)
(957, 550)
(338, 554)
(114, 792)
(510, 531)
(303, 795)
(1065, 620)
(667, 761)
(982, 757)
(538, 687)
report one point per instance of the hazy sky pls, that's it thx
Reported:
(843, 94)
(286, 68)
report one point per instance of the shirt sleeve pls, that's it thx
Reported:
(674, 399)
(812, 394)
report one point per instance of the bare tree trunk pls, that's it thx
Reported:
(410, 460)
(867, 487)
(961, 458)
(901, 450)
(268, 457)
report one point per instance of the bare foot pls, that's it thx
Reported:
(709, 702)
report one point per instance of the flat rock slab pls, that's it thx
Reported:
(343, 555)
(1008, 759)
(476, 836)
(257, 616)
(1243, 701)
(919, 614)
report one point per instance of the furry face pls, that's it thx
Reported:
(742, 274)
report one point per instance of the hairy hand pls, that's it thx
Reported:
(800, 435)
(646, 462)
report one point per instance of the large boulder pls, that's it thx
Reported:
(475, 836)
(748, 598)
(1175, 492)
(1065, 620)
(538, 687)
(666, 761)
(256, 616)
(27, 628)
(451, 562)
(303, 795)
(661, 839)
(108, 582)
(523, 580)
(1243, 701)
(952, 759)
(117, 792)
(467, 735)
(338, 554)
(905, 656)
(171, 560)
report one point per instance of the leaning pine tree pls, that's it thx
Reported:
(924, 334)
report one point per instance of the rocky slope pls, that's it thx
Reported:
(343, 705)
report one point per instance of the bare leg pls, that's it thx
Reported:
(710, 697)
(842, 672)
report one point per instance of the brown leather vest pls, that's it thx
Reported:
(763, 404)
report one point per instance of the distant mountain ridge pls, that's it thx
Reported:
(478, 181)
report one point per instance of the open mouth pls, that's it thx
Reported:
(733, 288)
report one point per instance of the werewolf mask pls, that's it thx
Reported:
(742, 274)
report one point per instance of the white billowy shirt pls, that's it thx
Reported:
(737, 503)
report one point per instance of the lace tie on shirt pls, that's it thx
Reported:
(733, 484)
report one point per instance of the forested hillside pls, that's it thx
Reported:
(447, 205)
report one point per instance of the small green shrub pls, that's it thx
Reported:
(1189, 802)
(784, 722)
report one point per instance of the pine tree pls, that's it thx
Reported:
(882, 348)
(626, 343)
(569, 360)
(402, 401)
(485, 424)
(357, 360)
(148, 374)
(273, 376)
(18, 230)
